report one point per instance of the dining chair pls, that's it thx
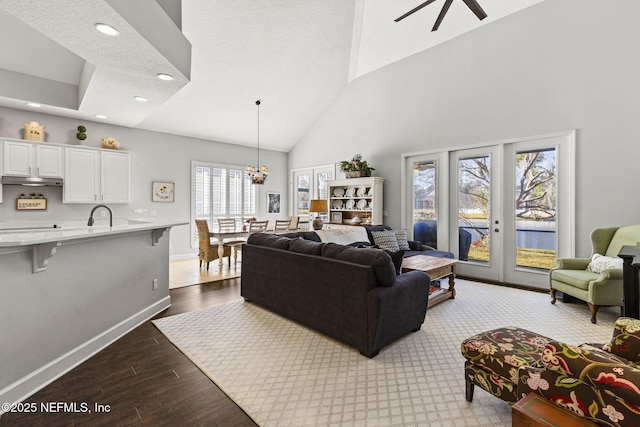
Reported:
(230, 224)
(206, 251)
(294, 222)
(258, 226)
(282, 226)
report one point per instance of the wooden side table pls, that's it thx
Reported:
(536, 411)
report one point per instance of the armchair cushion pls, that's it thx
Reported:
(577, 278)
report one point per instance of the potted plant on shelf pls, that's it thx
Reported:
(356, 167)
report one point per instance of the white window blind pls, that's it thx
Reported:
(219, 191)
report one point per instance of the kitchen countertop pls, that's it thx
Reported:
(11, 236)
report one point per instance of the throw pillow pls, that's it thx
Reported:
(403, 242)
(396, 258)
(386, 240)
(600, 263)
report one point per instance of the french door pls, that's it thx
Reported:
(308, 184)
(505, 210)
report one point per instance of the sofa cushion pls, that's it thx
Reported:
(379, 260)
(308, 247)
(270, 240)
(386, 240)
(434, 252)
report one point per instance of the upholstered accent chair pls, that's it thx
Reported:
(599, 382)
(426, 232)
(206, 251)
(582, 278)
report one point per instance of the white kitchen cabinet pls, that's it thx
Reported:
(96, 176)
(114, 177)
(29, 159)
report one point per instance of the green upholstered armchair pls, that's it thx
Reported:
(572, 276)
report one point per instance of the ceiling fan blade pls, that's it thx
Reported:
(475, 8)
(443, 12)
(415, 9)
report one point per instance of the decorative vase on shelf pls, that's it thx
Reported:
(34, 131)
(112, 143)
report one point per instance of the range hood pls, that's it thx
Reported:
(33, 181)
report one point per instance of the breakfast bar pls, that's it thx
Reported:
(68, 292)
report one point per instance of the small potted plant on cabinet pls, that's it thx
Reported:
(356, 167)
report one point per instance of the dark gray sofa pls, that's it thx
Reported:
(350, 294)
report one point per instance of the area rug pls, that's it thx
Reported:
(283, 374)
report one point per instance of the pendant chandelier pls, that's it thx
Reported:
(258, 174)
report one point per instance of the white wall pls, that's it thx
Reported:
(154, 157)
(556, 66)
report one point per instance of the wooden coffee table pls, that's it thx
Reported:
(436, 268)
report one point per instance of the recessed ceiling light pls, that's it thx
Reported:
(101, 116)
(140, 98)
(107, 29)
(164, 76)
(34, 104)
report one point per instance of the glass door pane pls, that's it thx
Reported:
(535, 208)
(474, 205)
(424, 217)
(322, 175)
(302, 184)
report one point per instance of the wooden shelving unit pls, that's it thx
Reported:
(361, 197)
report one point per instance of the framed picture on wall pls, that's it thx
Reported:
(336, 217)
(162, 191)
(273, 203)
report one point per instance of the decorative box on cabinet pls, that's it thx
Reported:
(94, 175)
(361, 197)
(29, 159)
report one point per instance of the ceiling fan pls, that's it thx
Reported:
(472, 4)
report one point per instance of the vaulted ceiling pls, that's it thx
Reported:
(294, 55)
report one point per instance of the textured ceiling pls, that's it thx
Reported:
(294, 55)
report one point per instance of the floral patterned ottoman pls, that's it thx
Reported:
(494, 357)
(599, 382)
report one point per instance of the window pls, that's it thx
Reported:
(220, 191)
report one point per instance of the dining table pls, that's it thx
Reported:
(226, 233)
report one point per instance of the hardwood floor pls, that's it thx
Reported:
(141, 379)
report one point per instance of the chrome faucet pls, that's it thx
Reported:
(90, 222)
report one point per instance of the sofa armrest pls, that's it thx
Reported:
(572, 263)
(418, 246)
(393, 311)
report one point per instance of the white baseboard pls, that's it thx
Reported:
(40, 378)
(180, 257)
